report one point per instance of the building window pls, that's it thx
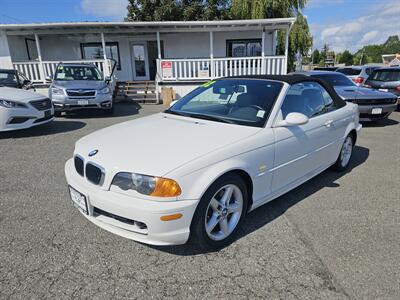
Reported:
(95, 51)
(243, 48)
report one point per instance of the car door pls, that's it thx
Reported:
(301, 151)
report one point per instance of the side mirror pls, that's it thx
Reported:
(173, 103)
(49, 79)
(107, 79)
(293, 119)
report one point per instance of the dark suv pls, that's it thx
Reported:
(386, 80)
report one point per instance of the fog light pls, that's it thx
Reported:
(171, 217)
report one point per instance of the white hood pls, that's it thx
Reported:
(158, 144)
(22, 96)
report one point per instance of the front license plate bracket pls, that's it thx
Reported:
(78, 200)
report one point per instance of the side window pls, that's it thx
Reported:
(329, 104)
(308, 98)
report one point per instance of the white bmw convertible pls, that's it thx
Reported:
(194, 171)
(21, 109)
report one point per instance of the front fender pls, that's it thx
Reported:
(355, 122)
(195, 184)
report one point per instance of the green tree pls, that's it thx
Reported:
(316, 57)
(300, 40)
(174, 10)
(346, 58)
(262, 9)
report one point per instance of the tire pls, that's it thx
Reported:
(346, 152)
(212, 213)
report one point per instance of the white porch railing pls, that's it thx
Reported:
(207, 68)
(33, 69)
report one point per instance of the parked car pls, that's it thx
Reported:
(386, 80)
(372, 104)
(80, 86)
(195, 170)
(20, 109)
(332, 69)
(357, 73)
(15, 79)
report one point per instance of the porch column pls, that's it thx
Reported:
(158, 77)
(158, 45)
(105, 67)
(274, 40)
(41, 69)
(287, 48)
(263, 71)
(212, 54)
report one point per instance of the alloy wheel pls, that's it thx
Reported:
(346, 152)
(223, 212)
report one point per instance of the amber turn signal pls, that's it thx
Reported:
(171, 217)
(166, 188)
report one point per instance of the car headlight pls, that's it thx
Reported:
(105, 90)
(147, 185)
(57, 91)
(11, 104)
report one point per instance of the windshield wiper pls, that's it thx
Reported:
(173, 112)
(211, 118)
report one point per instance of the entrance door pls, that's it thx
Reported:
(140, 61)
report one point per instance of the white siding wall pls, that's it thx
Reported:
(17, 48)
(5, 56)
(195, 45)
(176, 45)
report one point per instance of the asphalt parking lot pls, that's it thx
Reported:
(335, 237)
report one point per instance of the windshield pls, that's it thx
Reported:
(239, 101)
(7, 78)
(66, 73)
(349, 71)
(385, 75)
(335, 79)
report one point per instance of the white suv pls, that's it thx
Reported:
(358, 74)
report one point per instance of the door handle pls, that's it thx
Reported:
(328, 123)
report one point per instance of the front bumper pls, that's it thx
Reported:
(65, 103)
(114, 206)
(23, 118)
(366, 111)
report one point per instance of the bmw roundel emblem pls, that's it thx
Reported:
(93, 153)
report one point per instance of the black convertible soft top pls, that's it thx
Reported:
(296, 78)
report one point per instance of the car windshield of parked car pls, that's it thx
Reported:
(238, 101)
(336, 79)
(67, 73)
(349, 71)
(7, 78)
(385, 75)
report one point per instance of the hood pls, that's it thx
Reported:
(79, 84)
(355, 92)
(19, 95)
(158, 144)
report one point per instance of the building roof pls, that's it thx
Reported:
(165, 26)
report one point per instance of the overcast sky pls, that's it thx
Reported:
(343, 24)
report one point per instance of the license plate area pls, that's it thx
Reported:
(377, 111)
(78, 200)
(83, 102)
